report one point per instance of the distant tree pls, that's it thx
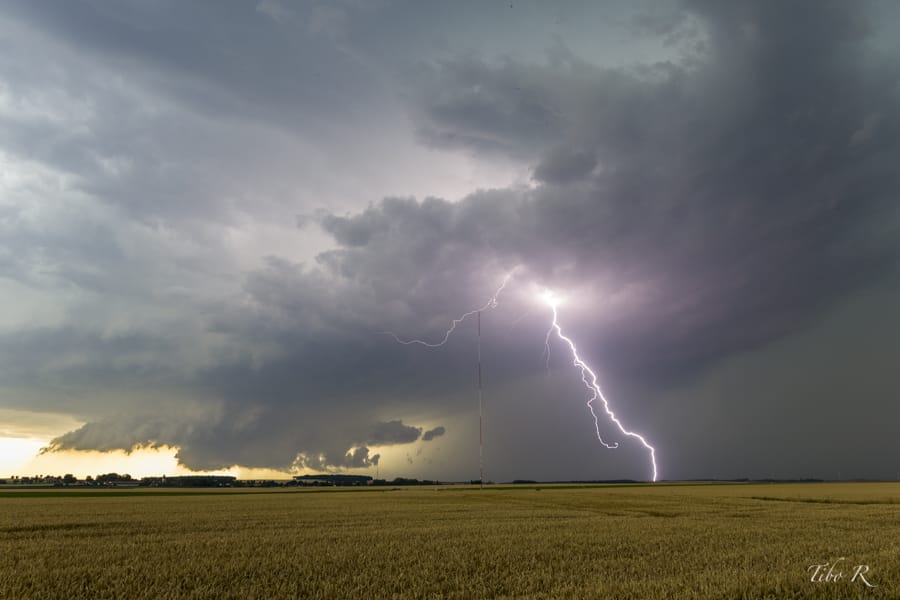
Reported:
(405, 481)
(107, 478)
(69, 479)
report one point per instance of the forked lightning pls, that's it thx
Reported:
(590, 381)
(587, 374)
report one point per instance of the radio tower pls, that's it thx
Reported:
(480, 414)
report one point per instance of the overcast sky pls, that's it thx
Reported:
(209, 211)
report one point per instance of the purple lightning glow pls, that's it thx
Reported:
(588, 377)
(492, 303)
(546, 352)
(590, 381)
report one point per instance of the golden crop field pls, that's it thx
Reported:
(659, 541)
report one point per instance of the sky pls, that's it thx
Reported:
(211, 212)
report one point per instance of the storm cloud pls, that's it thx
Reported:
(707, 185)
(433, 433)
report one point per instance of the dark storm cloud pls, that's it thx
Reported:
(189, 118)
(362, 458)
(217, 436)
(122, 433)
(731, 199)
(393, 432)
(700, 207)
(564, 164)
(498, 109)
(173, 43)
(433, 433)
(735, 185)
(76, 356)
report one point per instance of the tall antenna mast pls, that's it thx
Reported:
(480, 413)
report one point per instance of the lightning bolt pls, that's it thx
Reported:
(590, 381)
(588, 377)
(546, 352)
(492, 303)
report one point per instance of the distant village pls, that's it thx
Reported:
(116, 480)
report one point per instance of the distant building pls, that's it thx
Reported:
(122, 483)
(190, 481)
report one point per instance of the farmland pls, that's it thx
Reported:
(660, 541)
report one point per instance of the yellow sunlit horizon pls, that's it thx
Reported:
(24, 434)
(22, 457)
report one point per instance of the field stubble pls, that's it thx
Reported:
(719, 541)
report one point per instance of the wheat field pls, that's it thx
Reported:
(648, 541)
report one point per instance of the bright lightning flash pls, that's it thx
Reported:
(550, 298)
(588, 376)
(590, 380)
